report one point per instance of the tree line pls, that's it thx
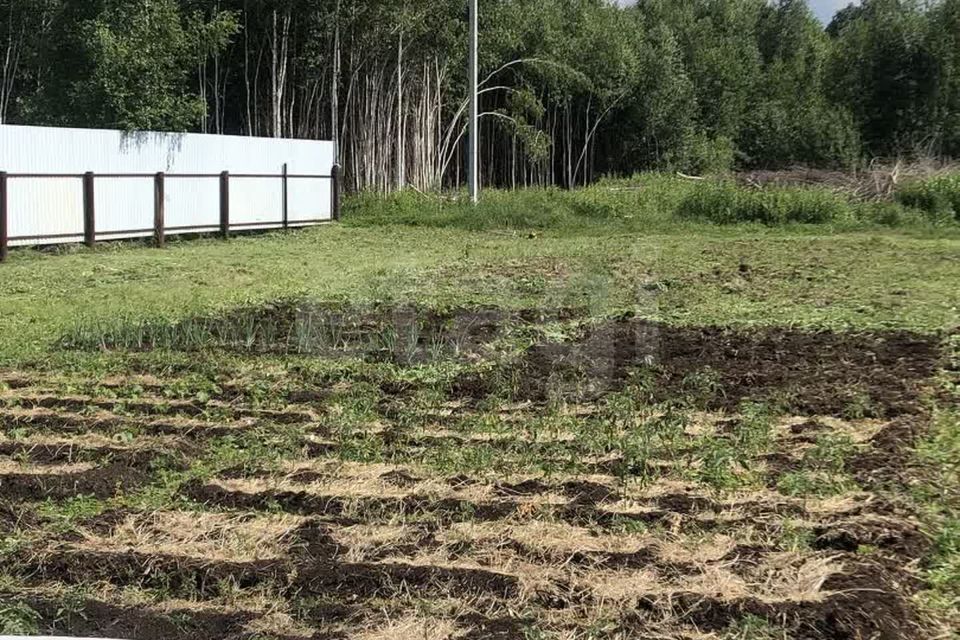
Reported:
(571, 89)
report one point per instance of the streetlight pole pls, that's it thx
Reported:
(473, 144)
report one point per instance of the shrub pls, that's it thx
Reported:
(726, 203)
(702, 155)
(890, 214)
(938, 197)
(777, 135)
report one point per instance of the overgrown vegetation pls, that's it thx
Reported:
(660, 201)
(938, 197)
(726, 203)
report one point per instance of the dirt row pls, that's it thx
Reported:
(810, 372)
(858, 598)
(315, 546)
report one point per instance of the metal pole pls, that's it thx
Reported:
(286, 201)
(158, 210)
(3, 216)
(89, 211)
(473, 168)
(335, 193)
(225, 204)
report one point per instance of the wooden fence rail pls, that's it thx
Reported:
(160, 229)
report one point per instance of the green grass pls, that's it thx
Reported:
(752, 627)
(681, 272)
(18, 619)
(939, 493)
(645, 202)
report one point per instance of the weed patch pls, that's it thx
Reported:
(17, 618)
(726, 203)
(938, 197)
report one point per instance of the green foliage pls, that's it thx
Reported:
(128, 65)
(575, 89)
(650, 201)
(725, 203)
(702, 155)
(881, 68)
(829, 453)
(938, 197)
(790, 133)
(753, 431)
(719, 465)
(891, 214)
(520, 210)
(944, 573)
(64, 515)
(814, 484)
(17, 618)
(943, 41)
(796, 536)
(752, 627)
(939, 493)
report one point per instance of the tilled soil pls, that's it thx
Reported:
(812, 373)
(328, 542)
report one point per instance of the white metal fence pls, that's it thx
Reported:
(71, 185)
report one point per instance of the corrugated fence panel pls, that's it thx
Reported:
(192, 202)
(50, 210)
(123, 205)
(256, 200)
(306, 197)
(61, 198)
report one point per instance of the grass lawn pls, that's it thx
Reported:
(694, 275)
(607, 430)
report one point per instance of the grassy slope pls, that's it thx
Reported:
(691, 274)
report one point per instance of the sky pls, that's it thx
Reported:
(825, 9)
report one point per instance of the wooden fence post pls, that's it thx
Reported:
(3, 216)
(335, 192)
(158, 210)
(89, 211)
(286, 197)
(225, 204)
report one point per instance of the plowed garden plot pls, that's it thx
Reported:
(551, 476)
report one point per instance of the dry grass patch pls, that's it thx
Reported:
(793, 577)
(374, 480)
(279, 624)
(848, 503)
(8, 466)
(695, 550)
(563, 540)
(412, 628)
(619, 587)
(83, 441)
(368, 540)
(206, 536)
